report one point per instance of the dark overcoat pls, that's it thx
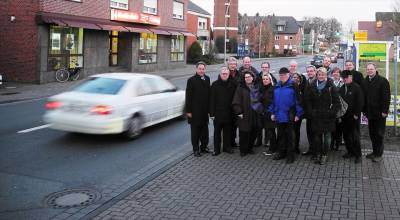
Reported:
(221, 100)
(377, 97)
(323, 106)
(197, 99)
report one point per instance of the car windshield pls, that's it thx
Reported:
(101, 85)
(317, 57)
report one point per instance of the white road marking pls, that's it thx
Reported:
(33, 129)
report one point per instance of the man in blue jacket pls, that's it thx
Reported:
(285, 110)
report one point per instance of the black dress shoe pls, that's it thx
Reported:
(251, 152)
(205, 150)
(242, 154)
(370, 156)
(307, 153)
(215, 153)
(278, 157)
(347, 156)
(230, 151)
(290, 160)
(258, 144)
(197, 154)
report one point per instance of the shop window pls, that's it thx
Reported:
(121, 4)
(177, 48)
(177, 10)
(150, 6)
(148, 48)
(65, 48)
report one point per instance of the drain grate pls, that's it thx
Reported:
(72, 198)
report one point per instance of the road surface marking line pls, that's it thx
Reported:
(33, 129)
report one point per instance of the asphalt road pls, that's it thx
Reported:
(35, 163)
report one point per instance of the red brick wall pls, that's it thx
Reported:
(86, 8)
(296, 40)
(219, 14)
(192, 26)
(18, 40)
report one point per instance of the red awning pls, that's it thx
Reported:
(159, 31)
(175, 32)
(138, 30)
(53, 21)
(188, 34)
(78, 24)
(113, 27)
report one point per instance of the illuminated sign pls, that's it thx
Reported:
(127, 16)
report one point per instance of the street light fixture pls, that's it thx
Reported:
(227, 4)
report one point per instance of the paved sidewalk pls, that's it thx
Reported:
(257, 187)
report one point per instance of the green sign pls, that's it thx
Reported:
(372, 51)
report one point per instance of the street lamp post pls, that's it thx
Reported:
(227, 4)
(259, 42)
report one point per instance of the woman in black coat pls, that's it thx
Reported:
(267, 92)
(247, 107)
(323, 101)
(298, 80)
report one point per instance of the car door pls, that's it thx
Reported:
(165, 97)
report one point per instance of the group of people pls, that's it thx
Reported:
(268, 110)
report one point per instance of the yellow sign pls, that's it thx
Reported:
(372, 51)
(361, 35)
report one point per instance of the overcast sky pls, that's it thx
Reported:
(346, 11)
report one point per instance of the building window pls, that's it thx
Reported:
(276, 47)
(121, 4)
(65, 48)
(202, 23)
(177, 10)
(177, 48)
(286, 37)
(276, 37)
(291, 38)
(148, 48)
(150, 6)
(280, 27)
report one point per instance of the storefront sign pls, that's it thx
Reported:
(372, 51)
(127, 16)
(361, 36)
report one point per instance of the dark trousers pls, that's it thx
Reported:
(310, 137)
(286, 139)
(376, 133)
(322, 142)
(246, 140)
(225, 130)
(337, 135)
(259, 136)
(351, 136)
(270, 135)
(199, 133)
(297, 127)
(234, 132)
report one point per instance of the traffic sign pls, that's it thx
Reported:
(361, 35)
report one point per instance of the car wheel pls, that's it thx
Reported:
(134, 128)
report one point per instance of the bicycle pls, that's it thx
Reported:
(64, 74)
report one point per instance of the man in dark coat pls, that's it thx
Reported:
(248, 67)
(196, 106)
(353, 96)
(285, 110)
(357, 76)
(222, 91)
(377, 93)
(326, 63)
(311, 77)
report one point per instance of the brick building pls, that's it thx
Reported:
(41, 36)
(199, 24)
(231, 7)
(288, 34)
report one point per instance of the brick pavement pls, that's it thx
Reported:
(257, 187)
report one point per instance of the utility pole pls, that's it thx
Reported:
(396, 54)
(227, 4)
(259, 43)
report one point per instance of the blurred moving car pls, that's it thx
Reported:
(317, 60)
(333, 58)
(114, 103)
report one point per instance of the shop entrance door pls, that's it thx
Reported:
(113, 48)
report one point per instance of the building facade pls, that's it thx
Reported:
(199, 24)
(100, 36)
(288, 35)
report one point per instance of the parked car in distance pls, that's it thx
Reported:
(114, 103)
(317, 60)
(340, 55)
(333, 58)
